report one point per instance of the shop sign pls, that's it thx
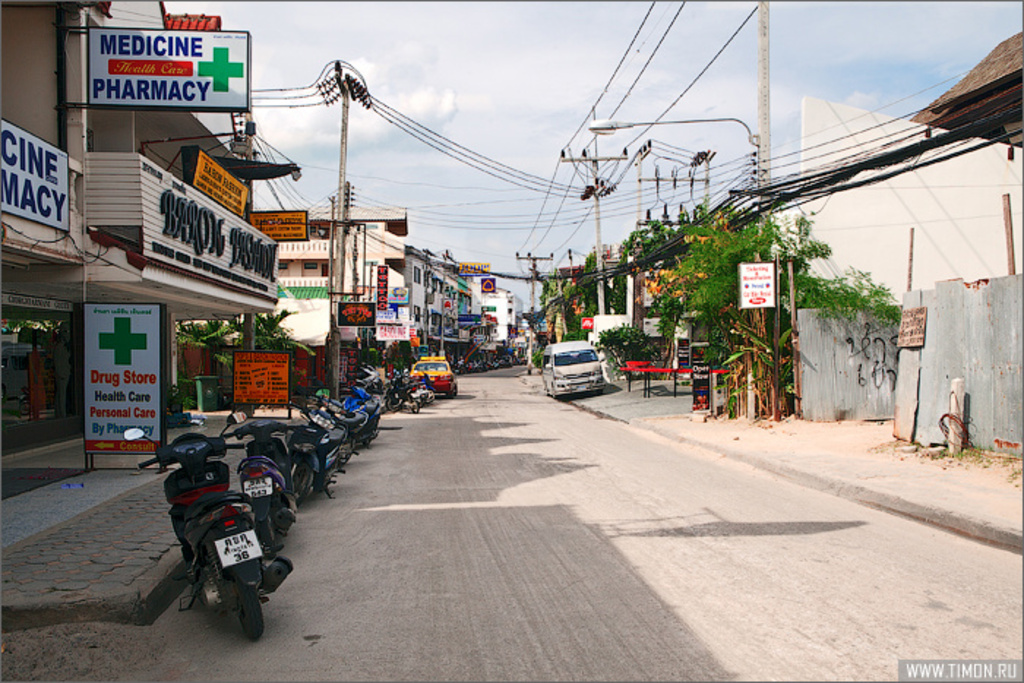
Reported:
(586, 323)
(356, 314)
(474, 268)
(218, 184)
(36, 302)
(123, 378)
(348, 366)
(282, 226)
(382, 287)
(200, 228)
(180, 70)
(488, 285)
(398, 295)
(35, 178)
(393, 333)
(700, 375)
(683, 353)
(757, 285)
(261, 377)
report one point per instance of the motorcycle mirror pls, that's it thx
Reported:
(237, 416)
(134, 434)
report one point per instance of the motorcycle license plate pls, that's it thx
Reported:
(258, 486)
(238, 548)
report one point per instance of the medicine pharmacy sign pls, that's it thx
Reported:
(123, 377)
(189, 70)
(35, 178)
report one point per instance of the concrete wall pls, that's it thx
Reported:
(849, 368)
(973, 331)
(955, 207)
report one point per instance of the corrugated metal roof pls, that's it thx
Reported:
(301, 292)
(191, 22)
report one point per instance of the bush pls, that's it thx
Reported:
(182, 394)
(626, 343)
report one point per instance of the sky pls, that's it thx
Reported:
(516, 82)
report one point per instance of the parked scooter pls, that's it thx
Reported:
(319, 449)
(399, 393)
(216, 529)
(268, 458)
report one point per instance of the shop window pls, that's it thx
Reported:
(38, 365)
(310, 265)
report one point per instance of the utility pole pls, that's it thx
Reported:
(534, 276)
(764, 148)
(596, 191)
(337, 269)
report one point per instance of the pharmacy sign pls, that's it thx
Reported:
(123, 376)
(184, 70)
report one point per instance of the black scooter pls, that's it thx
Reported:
(216, 529)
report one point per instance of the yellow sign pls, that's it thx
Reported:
(213, 180)
(474, 268)
(281, 225)
(262, 377)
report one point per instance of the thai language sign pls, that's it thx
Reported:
(757, 285)
(912, 326)
(189, 70)
(262, 377)
(215, 182)
(282, 226)
(35, 178)
(122, 376)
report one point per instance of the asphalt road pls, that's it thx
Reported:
(503, 535)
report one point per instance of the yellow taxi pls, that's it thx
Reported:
(438, 373)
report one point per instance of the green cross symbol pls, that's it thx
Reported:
(222, 69)
(122, 341)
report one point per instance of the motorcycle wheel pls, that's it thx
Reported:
(250, 613)
(393, 404)
(414, 407)
(302, 480)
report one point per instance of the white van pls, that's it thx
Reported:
(571, 368)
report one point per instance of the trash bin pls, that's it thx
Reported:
(206, 393)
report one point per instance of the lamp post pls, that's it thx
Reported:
(608, 126)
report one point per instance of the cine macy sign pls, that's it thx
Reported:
(190, 70)
(35, 178)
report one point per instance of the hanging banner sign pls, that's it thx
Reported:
(262, 377)
(394, 333)
(185, 70)
(474, 268)
(757, 285)
(356, 314)
(123, 376)
(282, 226)
(35, 178)
(382, 287)
(217, 183)
(398, 295)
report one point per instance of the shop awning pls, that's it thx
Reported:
(310, 321)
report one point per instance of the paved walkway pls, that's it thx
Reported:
(106, 551)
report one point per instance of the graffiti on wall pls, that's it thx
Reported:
(877, 357)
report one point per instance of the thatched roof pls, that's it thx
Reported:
(994, 85)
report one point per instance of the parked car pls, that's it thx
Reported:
(442, 379)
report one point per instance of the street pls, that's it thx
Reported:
(502, 535)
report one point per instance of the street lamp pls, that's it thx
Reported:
(608, 126)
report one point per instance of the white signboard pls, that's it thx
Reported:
(123, 379)
(394, 333)
(35, 178)
(189, 70)
(757, 285)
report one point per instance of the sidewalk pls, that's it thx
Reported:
(64, 560)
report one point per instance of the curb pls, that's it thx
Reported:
(963, 525)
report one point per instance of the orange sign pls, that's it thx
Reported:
(281, 225)
(262, 377)
(222, 187)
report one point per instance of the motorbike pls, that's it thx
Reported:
(399, 393)
(266, 476)
(359, 414)
(319, 449)
(216, 529)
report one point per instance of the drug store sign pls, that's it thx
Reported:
(123, 378)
